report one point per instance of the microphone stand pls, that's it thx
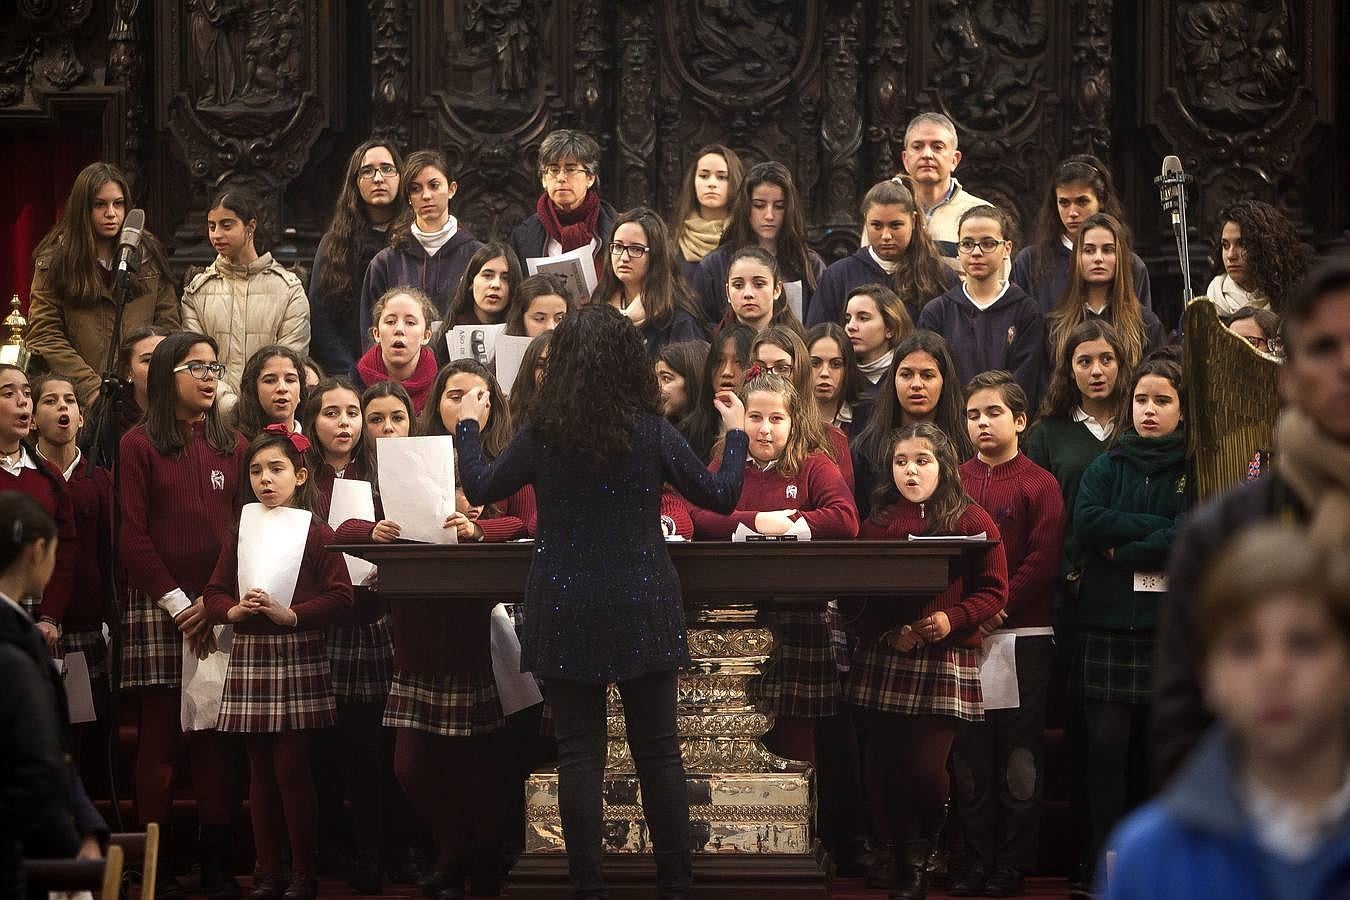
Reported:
(1173, 191)
(104, 445)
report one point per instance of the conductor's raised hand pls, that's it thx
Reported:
(474, 405)
(731, 409)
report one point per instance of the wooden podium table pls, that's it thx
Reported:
(751, 812)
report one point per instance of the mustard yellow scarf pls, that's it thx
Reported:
(700, 236)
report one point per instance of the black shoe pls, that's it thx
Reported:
(1005, 882)
(970, 881)
(911, 881)
(303, 886)
(881, 870)
(1080, 883)
(268, 887)
(366, 878)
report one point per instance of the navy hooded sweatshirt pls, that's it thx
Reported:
(842, 276)
(1009, 335)
(408, 264)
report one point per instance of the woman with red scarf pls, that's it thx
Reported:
(569, 213)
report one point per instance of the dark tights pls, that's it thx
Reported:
(1117, 777)
(281, 799)
(905, 769)
(212, 757)
(460, 786)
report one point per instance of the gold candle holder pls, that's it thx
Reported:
(14, 352)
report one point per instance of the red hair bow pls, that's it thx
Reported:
(298, 440)
(753, 372)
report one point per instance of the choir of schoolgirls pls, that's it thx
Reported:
(1033, 415)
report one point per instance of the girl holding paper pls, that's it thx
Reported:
(601, 611)
(360, 646)
(180, 475)
(1002, 758)
(791, 484)
(401, 326)
(916, 672)
(279, 688)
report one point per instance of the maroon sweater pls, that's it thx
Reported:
(176, 511)
(843, 457)
(978, 590)
(48, 488)
(1025, 501)
(322, 590)
(91, 495)
(817, 492)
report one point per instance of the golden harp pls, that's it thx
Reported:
(1232, 399)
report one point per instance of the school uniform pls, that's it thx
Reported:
(1001, 813)
(710, 281)
(279, 679)
(940, 679)
(801, 678)
(1007, 334)
(436, 274)
(1047, 284)
(842, 276)
(30, 474)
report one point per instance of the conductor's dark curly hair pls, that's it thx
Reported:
(599, 381)
(1276, 258)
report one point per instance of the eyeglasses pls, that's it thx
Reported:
(635, 251)
(986, 245)
(202, 371)
(568, 171)
(384, 170)
(782, 369)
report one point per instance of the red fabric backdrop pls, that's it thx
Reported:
(42, 168)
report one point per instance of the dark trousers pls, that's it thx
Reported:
(1117, 764)
(579, 723)
(1000, 767)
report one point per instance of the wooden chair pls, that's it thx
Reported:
(102, 876)
(142, 847)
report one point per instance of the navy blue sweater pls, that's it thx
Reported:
(1049, 286)
(844, 275)
(1008, 335)
(710, 281)
(408, 264)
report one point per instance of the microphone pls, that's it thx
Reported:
(129, 244)
(1172, 183)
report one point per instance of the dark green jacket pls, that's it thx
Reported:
(1130, 501)
(1064, 448)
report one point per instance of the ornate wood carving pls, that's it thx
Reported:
(127, 68)
(1090, 123)
(636, 122)
(888, 86)
(841, 125)
(249, 88)
(389, 62)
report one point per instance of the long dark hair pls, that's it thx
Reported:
(1081, 168)
(599, 381)
(782, 313)
(461, 302)
(850, 390)
(920, 274)
(306, 495)
(167, 435)
(314, 406)
(686, 204)
(1163, 365)
(943, 510)
(542, 285)
(400, 232)
(686, 359)
(129, 342)
(703, 424)
(793, 251)
(1122, 306)
(523, 391)
(69, 249)
(1063, 396)
(497, 433)
(887, 415)
(1276, 259)
(374, 392)
(663, 288)
(349, 219)
(251, 418)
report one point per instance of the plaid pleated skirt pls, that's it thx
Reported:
(277, 682)
(1115, 666)
(362, 659)
(801, 676)
(92, 645)
(152, 646)
(934, 680)
(449, 705)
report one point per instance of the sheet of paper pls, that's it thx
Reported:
(204, 683)
(271, 546)
(510, 354)
(352, 499)
(576, 266)
(477, 342)
(1151, 582)
(974, 538)
(417, 485)
(79, 692)
(793, 291)
(518, 690)
(998, 672)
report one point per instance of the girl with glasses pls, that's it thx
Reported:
(569, 213)
(180, 477)
(427, 248)
(368, 204)
(641, 282)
